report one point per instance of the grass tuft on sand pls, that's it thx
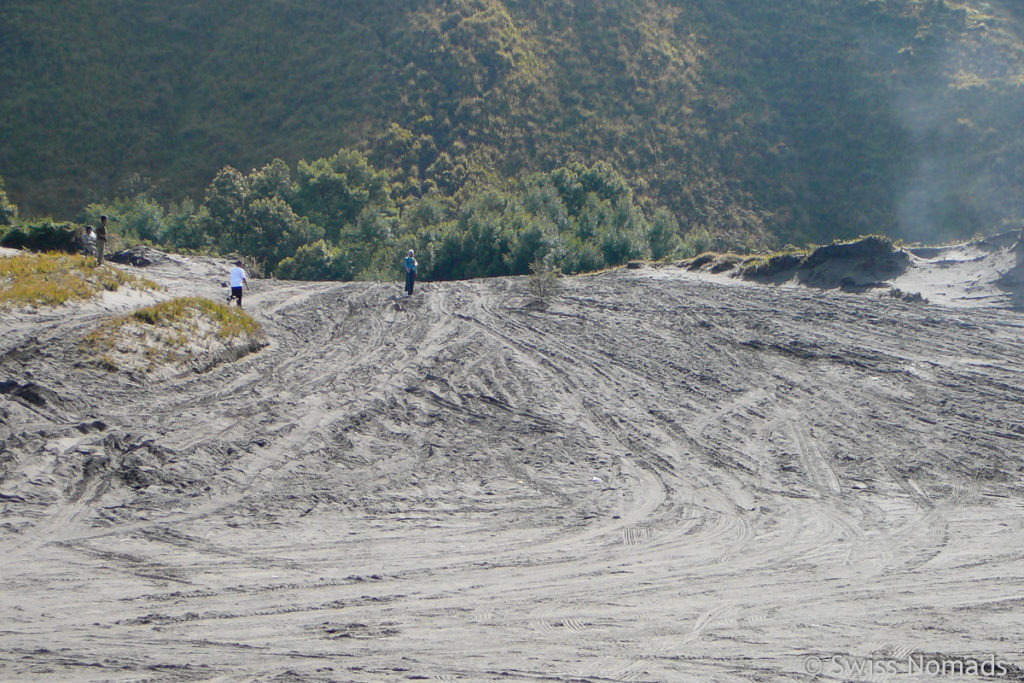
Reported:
(187, 332)
(231, 322)
(53, 279)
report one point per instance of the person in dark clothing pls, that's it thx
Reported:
(410, 272)
(101, 240)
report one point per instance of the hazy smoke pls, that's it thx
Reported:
(962, 113)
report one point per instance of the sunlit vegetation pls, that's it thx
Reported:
(52, 279)
(177, 331)
(325, 139)
(229, 322)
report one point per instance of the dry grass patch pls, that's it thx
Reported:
(229, 322)
(53, 279)
(173, 337)
(774, 263)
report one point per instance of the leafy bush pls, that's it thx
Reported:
(8, 211)
(624, 237)
(696, 241)
(183, 227)
(138, 219)
(338, 220)
(317, 261)
(236, 218)
(42, 235)
(333, 192)
(663, 236)
(582, 257)
(543, 283)
(476, 245)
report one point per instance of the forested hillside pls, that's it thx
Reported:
(747, 124)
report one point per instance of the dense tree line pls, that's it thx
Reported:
(337, 218)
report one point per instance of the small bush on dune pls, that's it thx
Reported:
(543, 283)
(724, 262)
(698, 262)
(871, 249)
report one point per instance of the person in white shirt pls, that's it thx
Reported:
(90, 240)
(238, 280)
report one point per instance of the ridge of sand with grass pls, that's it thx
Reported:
(165, 338)
(180, 335)
(984, 272)
(52, 279)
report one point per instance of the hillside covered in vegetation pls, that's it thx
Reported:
(599, 131)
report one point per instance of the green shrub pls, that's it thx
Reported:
(663, 236)
(316, 261)
(697, 241)
(42, 235)
(866, 246)
(138, 219)
(582, 257)
(768, 265)
(8, 211)
(543, 283)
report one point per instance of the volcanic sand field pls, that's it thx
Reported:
(656, 477)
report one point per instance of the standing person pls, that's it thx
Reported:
(410, 272)
(89, 241)
(101, 240)
(238, 280)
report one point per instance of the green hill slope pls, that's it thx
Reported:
(792, 120)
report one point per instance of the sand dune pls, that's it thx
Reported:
(660, 476)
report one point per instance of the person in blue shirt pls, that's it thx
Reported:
(410, 272)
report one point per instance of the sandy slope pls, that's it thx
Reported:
(660, 477)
